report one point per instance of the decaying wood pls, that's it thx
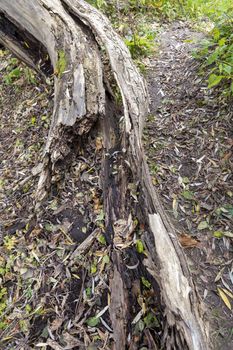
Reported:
(85, 245)
(118, 307)
(74, 31)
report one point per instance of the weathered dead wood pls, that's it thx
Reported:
(79, 93)
(74, 34)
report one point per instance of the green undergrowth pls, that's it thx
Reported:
(133, 20)
(216, 55)
(190, 9)
(134, 23)
(170, 9)
(16, 72)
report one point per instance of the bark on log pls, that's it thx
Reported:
(77, 37)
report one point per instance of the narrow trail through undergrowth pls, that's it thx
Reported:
(189, 142)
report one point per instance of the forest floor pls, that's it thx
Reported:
(189, 142)
(51, 294)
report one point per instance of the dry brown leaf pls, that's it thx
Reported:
(187, 241)
(71, 341)
(97, 204)
(226, 157)
(219, 275)
(53, 344)
(226, 291)
(224, 298)
(98, 143)
(36, 232)
(230, 141)
(56, 324)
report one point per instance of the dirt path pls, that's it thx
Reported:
(189, 139)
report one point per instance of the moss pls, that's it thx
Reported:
(61, 63)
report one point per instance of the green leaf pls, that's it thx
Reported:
(100, 217)
(185, 180)
(218, 234)
(50, 227)
(214, 80)
(188, 195)
(33, 120)
(2, 271)
(229, 209)
(145, 282)
(88, 292)
(151, 321)
(102, 239)
(139, 246)
(222, 42)
(212, 58)
(28, 308)
(216, 33)
(227, 69)
(203, 225)
(100, 3)
(139, 327)
(93, 269)
(14, 61)
(3, 324)
(93, 321)
(220, 67)
(3, 291)
(106, 259)
(15, 73)
(23, 325)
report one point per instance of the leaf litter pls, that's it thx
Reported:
(54, 289)
(189, 139)
(55, 268)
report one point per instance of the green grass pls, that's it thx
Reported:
(184, 8)
(168, 8)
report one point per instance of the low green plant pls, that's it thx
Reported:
(189, 9)
(126, 18)
(15, 70)
(13, 75)
(216, 54)
(166, 8)
(3, 304)
(140, 44)
(30, 76)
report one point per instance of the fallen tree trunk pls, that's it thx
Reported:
(82, 45)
